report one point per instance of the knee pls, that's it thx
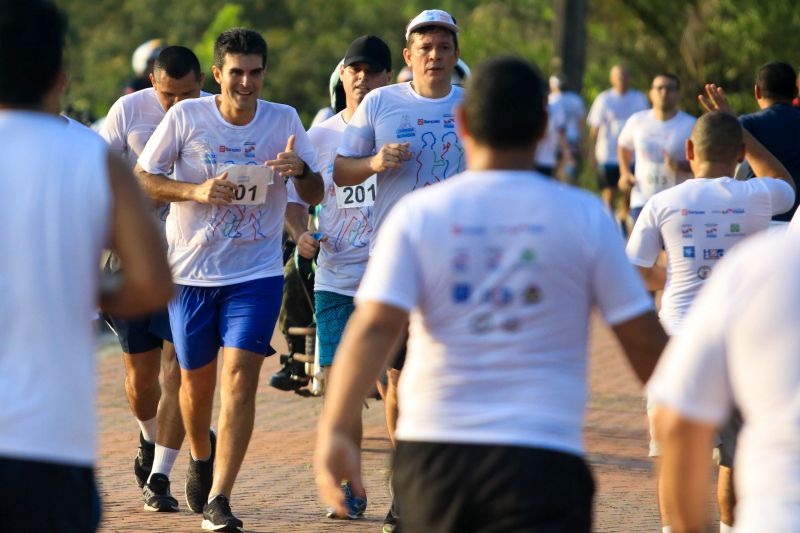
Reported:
(197, 387)
(171, 377)
(142, 378)
(240, 384)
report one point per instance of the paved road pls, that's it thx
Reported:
(275, 491)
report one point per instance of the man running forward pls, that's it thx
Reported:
(697, 223)
(499, 269)
(656, 138)
(345, 227)
(224, 233)
(405, 135)
(147, 341)
(71, 198)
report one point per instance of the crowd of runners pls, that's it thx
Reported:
(464, 303)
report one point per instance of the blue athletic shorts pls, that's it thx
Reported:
(635, 212)
(242, 316)
(142, 334)
(332, 310)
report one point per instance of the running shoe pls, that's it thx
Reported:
(355, 505)
(157, 497)
(143, 463)
(390, 522)
(217, 516)
(199, 479)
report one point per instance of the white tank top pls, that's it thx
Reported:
(53, 225)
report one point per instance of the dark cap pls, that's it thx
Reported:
(371, 50)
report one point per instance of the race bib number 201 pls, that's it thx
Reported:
(251, 183)
(361, 195)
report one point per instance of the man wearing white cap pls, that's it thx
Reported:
(405, 134)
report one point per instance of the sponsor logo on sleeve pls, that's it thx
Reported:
(687, 231)
(686, 212)
(711, 231)
(688, 251)
(713, 253)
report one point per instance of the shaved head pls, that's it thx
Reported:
(619, 76)
(717, 138)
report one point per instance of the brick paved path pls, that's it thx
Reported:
(275, 491)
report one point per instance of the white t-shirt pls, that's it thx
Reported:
(547, 150)
(56, 224)
(397, 114)
(500, 271)
(697, 223)
(575, 112)
(609, 112)
(128, 126)
(343, 256)
(213, 245)
(739, 347)
(652, 140)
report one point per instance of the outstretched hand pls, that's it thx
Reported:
(288, 163)
(715, 100)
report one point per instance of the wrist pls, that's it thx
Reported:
(305, 173)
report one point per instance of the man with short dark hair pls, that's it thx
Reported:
(498, 269)
(224, 231)
(777, 124)
(72, 197)
(147, 341)
(697, 223)
(405, 135)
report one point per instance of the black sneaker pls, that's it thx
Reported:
(390, 522)
(199, 478)
(290, 377)
(157, 497)
(143, 463)
(217, 516)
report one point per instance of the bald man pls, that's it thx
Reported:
(608, 114)
(697, 223)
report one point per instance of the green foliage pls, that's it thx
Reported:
(723, 41)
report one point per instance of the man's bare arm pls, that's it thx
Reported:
(310, 187)
(685, 468)
(643, 339)
(145, 282)
(296, 221)
(162, 189)
(591, 157)
(626, 178)
(355, 170)
(654, 277)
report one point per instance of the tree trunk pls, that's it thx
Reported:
(570, 42)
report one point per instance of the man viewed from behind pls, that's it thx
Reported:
(71, 199)
(498, 270)
(147, 341)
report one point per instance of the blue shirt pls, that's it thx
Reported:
(778, 129)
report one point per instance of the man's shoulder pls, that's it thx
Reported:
(332, 127)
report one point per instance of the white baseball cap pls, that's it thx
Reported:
(432, 17)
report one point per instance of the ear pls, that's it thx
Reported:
(217, 74)
(462, 128)
(689, 150)
(202, 79)
(407, 57)
(389, 76)
(757, 92)
(152, 79)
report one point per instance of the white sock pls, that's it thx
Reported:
(163, 460)
(666, 529)
(212, 496)
(725, 528)
(148, 429)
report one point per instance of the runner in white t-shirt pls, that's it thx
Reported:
(405, 135)
(738, 350)
(607, 116)
(147, 341)
(553, 142)
(498, 270)
(71, 198)
(344, 220)
(224, 232)
(656, 138)
(575, 113)
(697, 223)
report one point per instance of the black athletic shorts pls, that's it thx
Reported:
(607, 176)
(41, 497)
(137, 335)
(471, 488)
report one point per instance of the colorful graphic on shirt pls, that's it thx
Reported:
(235, 222)
(438, 159)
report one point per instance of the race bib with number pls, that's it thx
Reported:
(251, 183)
(361, 195)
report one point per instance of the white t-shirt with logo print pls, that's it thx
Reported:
(397, 114)
(343, 255)
(697, 223)
(500, 271)
(739, 347)
(212, 245)
(652, 140)
(609, 112)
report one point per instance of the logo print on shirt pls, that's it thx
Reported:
(449, 121)
(687, 212)
(223, 149)
(405, 129)
(461, 261)
(461, 292)
(713, 253)
(729, 211)
(249, 149)
(493, 258)
(687, 231)
(498, 296)
(711, 231)
(533, 295)
(688, 251)
(703, 272)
